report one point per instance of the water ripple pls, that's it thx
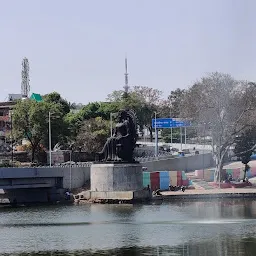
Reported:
(116, 222)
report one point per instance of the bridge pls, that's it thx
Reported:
(40, 184)
(20, 178)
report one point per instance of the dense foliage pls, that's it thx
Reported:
(218, 105)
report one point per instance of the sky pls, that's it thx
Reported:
(78, 47)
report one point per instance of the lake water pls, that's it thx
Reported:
(226, 227)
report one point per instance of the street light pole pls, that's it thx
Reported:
(156, 139)
(185, 129)
(12, 135)
(70, 170)
(50, 140)
(204, 149)
(181, 138)
(171, 127)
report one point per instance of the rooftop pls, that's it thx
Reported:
(7, 104)
(37, 97)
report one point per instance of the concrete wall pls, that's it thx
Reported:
(116, 177)
(79, 176)
(187, 163)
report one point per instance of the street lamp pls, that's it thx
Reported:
(156, 138)
(50, 135)
(11, 134)
(70, 169)
(50, 140)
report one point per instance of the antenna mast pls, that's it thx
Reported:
(25, 86)
(126, 86)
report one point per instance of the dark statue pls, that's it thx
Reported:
(120, 147)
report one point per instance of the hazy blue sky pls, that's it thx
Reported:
(78, 47)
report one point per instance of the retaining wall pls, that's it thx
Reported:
(79, 176)
(186, 163)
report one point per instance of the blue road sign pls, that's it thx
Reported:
(162, 123)
(180, 123)
(169, 123)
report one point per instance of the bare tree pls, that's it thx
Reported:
(224, 106)
(149, 95)
(115, 96)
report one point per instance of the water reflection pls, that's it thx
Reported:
(220, 246)
(220, 227)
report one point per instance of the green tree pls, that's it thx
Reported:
(173, 105)
(74, 122)
(91, 110)
(93, 135)
(56, 98)
(176, 98)
(149, 100)
(166, 135)
(99, 109)
(143, 100)
(30, 121)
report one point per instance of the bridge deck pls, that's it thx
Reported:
(21, 186)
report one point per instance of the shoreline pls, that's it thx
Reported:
(189, 194)
(194, 194)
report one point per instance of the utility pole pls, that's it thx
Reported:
(171, 127)
(180, 138)
(70, 169)
(204, 149)
(12, 136)
(50, 140)
(185, 129)
(156, 139)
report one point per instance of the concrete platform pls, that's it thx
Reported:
(115, 182)
(114, 196)
(249, 192)
(116, 177)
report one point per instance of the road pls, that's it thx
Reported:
(178, 145)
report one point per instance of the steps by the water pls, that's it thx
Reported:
(201, 184)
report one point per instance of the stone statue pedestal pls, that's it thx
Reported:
(117, 181)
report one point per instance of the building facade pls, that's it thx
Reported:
(5, 119)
